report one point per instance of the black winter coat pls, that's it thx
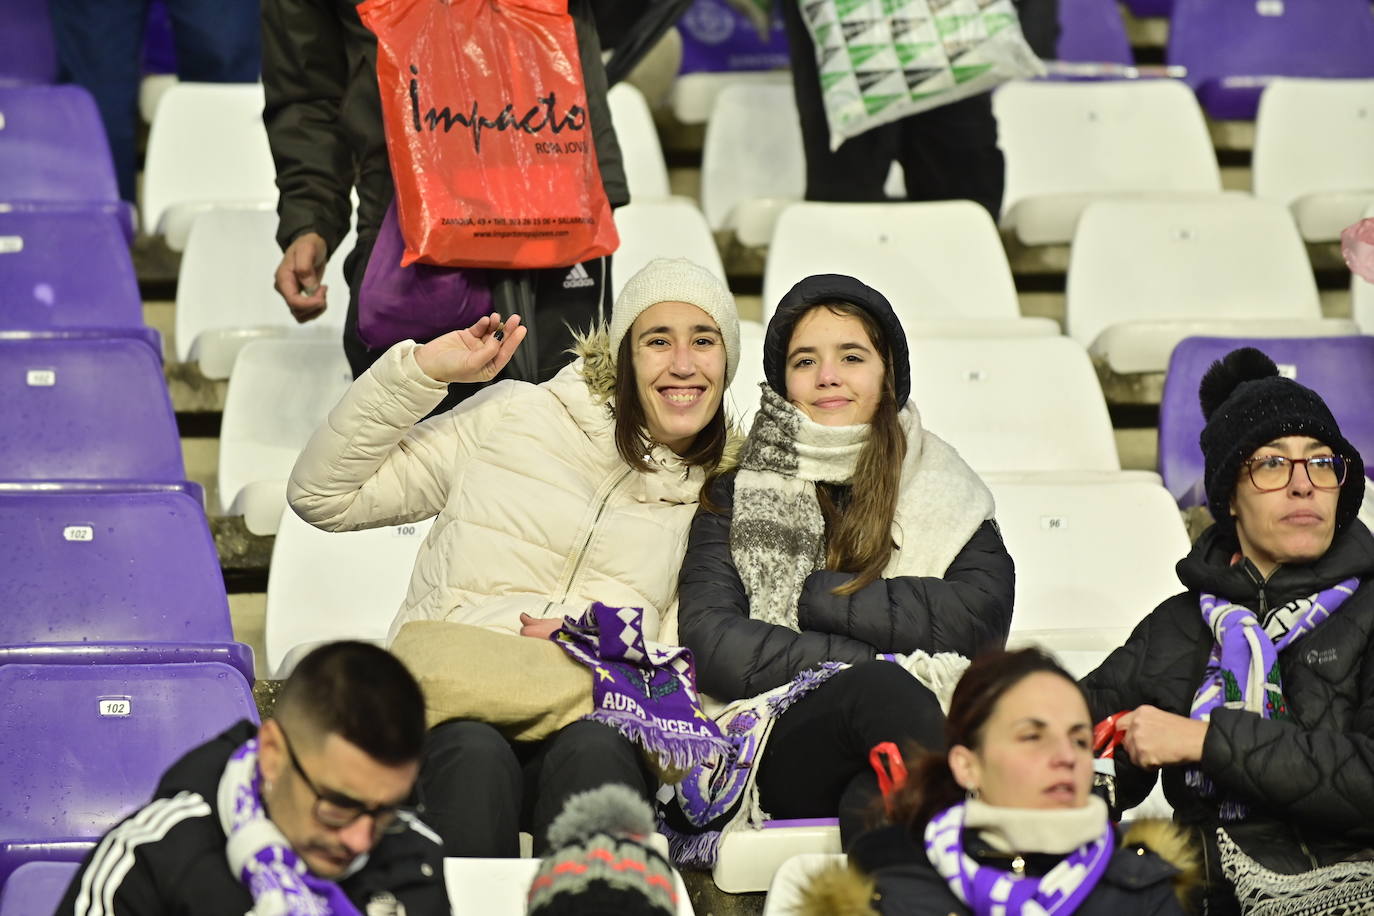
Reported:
(324, 117)
(1138, 882)
(168, 858)
(967, 609)
(1309, 781)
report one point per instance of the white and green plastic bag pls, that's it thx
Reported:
(881, 60)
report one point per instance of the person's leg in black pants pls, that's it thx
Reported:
(471, 789)
(951, 153)
(816, 761)
(579, 757)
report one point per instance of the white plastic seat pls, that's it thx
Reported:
(279, 393)
(323, 586)
(207, 148)
(748, 858)
(1145, 274)
(742, 400)
(1362, 296)
(1092, 558)
(694, 94)
(752, 164)
(941, 265)
(224, 290)
(1312, 143)
(1015, 405)
(646, 171)
(785, 893)
(500, 887)
(672, 228)
(1070, 143)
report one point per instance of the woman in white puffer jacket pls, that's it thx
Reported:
(547, 497)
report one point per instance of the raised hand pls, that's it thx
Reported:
(475, 354)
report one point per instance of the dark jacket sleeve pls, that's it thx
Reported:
(1322, 777)
(304, 76)
(737, 656)
(965, 610)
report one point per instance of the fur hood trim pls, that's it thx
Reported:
(598, 362)
(837, 890)
(1172, 844)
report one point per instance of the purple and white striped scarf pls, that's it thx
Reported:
(644, 690)
(987, 890)
(260, 855)
(1243, 669)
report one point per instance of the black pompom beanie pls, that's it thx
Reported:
(822, 288)
(1246, 404)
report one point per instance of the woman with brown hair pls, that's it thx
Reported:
(848, 539)
(1005, 822)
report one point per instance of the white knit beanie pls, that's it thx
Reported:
(678, 280)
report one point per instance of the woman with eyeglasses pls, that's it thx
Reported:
(1253, 691)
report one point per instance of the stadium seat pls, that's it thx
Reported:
(27, 52)
(55, 155)
(646, 172)
(742, 400)
(207, 149)
(941, 265)
(785, 892)
(752, 163)
(1312, 143)
(323, 586)
(1143, 275)
(1340, 369)
(1015, 405)
(41, 294)
(225, 297)
(500, 887)
(280, 392)
(112, 577)
(1144, 9)
(1092, 31)
(749, 857)
(1092, 558)
(694, 94)
(86, 744)
(1232, 50)
(672, 228)
(1070, 143)
(91, 410)
(36, 888)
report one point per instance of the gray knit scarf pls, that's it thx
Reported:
(777, 534)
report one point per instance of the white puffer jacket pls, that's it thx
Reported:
(537, 512)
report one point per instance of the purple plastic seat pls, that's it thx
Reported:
(41, 293)
(1092, 31)
(1232, 48)
(84, 411)
(27, 52)
(55, 155)
(85, 745)
(36, 887)
(1340, 369)
(112, 577)
(1145, 9)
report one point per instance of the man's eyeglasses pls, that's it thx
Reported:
(1274, 472)
(337, 811)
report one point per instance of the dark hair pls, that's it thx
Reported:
(361, 693)
(631, 440)
(930, 787)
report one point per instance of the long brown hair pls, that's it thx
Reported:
(631, 436)
(859, 534)
(930, 786)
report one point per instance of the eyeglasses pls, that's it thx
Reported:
(1274, 472)
(337, 811)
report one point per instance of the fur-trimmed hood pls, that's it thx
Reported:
(843, 890)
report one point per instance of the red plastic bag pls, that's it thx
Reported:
(488, 132)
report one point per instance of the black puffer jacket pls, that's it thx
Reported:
(967, 609)
(1309, 782)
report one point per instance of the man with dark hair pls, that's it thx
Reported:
(302, 815)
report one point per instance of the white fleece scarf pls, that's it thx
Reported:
(777, 533)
